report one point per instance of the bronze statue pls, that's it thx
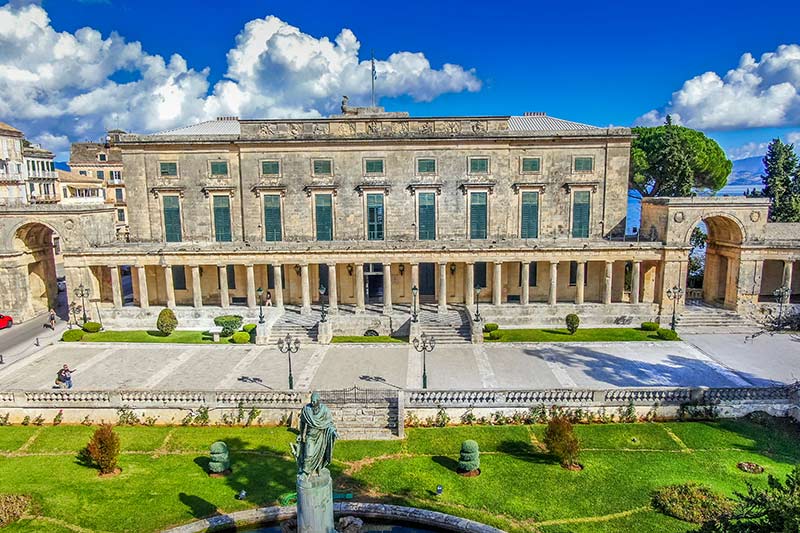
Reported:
(314, 447)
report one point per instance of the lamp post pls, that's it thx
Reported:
(82, 293)
(478, 289)
(424, 344)
(74, 310)
(260, 293)
(289, 346)
(781, 295)
(674, 294)
(323, 313)
(414, 292)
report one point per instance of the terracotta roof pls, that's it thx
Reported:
(35, 151)
(7, 129)
(86, 154)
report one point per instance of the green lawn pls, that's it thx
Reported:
(177, 336)
(363, 339)
(582, 335)
(520, 489)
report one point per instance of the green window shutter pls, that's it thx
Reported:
(479, 165)
(219, 168)
(270, 168)
(172, 219)
(230, 271)
(324, 216)
(375, 217)
(581, 204)
(322, 167)
(426, 166)
(427, 216)
(222, 218)
(477, 215)
(584, 164)
(530, 215)
(168, 169)
(272, 218)
(178, 277)
(101, 174)
(531, 164)
(374, 166)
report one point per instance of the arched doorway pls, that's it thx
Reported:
(39, 245)
(714, 257)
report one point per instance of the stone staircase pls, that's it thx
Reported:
(451, 327)
(700, 317)
(364, 414)
(303, 327)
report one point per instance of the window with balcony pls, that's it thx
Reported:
(272, 217)
(427, 216)
(323, 216)
(477, 215)
(529, 215)
(222, 218)
(375, 217)
(172, 218)
(581, 208)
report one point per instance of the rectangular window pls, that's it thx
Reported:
(222, 218)
(426, 166)
(573, 273)
(83, 173)
(101, 157)
(115, 174)
(323, 214)
(531, 164)
(373, 166)
(179, 277)
(375, 217)
(323, 167)
(584, 164)
(480, 274)
(118, 194)
(172, 219)
(272, 218)
(120, 215)
(270, 168)
(168, 169)
(530, 215)
(477, 215)
(101, 174)
(427, 216)
(219, 168)
(581, 202)
(479, 165)
(231, 272)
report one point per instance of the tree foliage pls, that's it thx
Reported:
(697, 263)
(781, 181)
(561, 441)
(167, 321)
(671, 160)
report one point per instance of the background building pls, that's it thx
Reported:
(12, 166)
(40, 175)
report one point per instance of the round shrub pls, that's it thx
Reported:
(650, 326)
(219, 458)
(495, 335)
(469, 459)
(229, 324)
(691, 502)
(561, 441)
(249, 328)
(92, 327)
(240, 337)
(573, 321)
(167, 322)
(72, 335)
(667, 334)
(490, 327)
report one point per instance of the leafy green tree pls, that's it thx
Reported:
(671, 160)
(697, 263)
(781, 182)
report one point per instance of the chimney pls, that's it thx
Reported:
(535, 114)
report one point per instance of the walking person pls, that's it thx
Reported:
(64, 377)
(268, 303)
(53, 319)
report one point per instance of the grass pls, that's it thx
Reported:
(364, 339)
(582, 335)
(177, 336)
(520, 489)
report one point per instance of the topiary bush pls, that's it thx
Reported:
(72, 335)
(13, 507)
(240, 337)
(650, 326)
(249, 328)
(92, 327)
(561, 441)
(490, 327)
(690, 502)
(229, 324)
(469, 460)
(495, 335)
(220, 458)
(573, 321)
(167, 321)
(103, 449)
(667, 334)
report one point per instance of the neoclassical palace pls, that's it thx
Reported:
(524, 214)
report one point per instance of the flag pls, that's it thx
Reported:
(374, 72)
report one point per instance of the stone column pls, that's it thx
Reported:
(497, 284)
(524, 294)
(580, 281)
(223, 286)
(277, 272)
(442, 288)
(306, 290)
(469, 285)
(144, 300)
(387, 288)
(251, 286)
(116, 286)
(197, 291)
(415, 283)
(360, 288)
(333, 292)
(607, 282)
(170, 286)
(553, 296)
(787, 273)
(636, 273)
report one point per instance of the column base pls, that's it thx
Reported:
(441, 309)
(305, 310)
(387, 310)
(315, 503)
(325, 332)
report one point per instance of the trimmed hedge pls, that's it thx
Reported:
(490, 327)
(667, 334)
(92, 327)
(495, 335)
(249, 328)
(167, 321)
(469, 459)
(72, 335)
(691, 502)
(573, 321)
(240, 337)
(229, 324)
(219, 458)
(650, 326)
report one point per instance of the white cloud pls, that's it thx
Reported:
(750, 149)
(757, 93)
(62, 84)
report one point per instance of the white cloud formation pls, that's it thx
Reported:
(62, 84)
(750, 149)
(757, 93)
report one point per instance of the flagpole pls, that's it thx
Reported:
(374, 74)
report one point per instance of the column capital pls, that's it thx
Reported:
(554, 262)
(580, 261)
(387, 263)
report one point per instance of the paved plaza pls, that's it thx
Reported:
(704, 360)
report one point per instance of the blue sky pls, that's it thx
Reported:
(596, 62)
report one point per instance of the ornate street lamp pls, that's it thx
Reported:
(478, 290)
(781, 295)
(674, 294)
(424, 344)
(82, 293)
(414, 292)
(323, 313)
(289, 346)
(74, 310)
(260, 293)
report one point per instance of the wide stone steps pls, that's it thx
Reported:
(447, 328)
(366, 422)
(703, 319)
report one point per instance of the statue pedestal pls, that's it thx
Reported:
(315, 503)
